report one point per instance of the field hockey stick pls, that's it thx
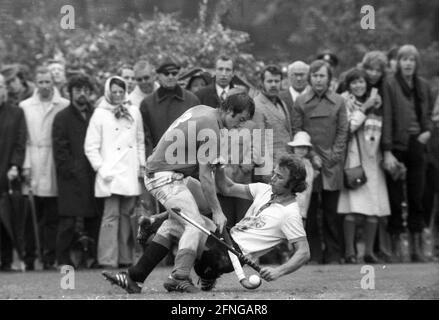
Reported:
(240, 256)
(235, 256)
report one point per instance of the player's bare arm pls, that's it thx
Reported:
(208, 186)
(299, 258)
(229, 188)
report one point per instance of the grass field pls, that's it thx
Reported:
(394, 281)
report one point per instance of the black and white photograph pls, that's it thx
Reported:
(219, 155)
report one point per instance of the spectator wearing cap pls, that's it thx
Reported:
(298, 79)
(407, 127)
(322, 113)
(165, 104)
(39, 166)
(75, 176)
(144, 75)
(12, 146)
(114, 145)
(19, 88)
(332, 60)
(215, 93)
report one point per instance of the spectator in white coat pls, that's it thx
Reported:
(114, 145)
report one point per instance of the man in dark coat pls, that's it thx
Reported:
(12, 146)
(161, 108)
(213, 94)
(75, 175)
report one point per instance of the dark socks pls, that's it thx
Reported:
(153, 254)
(370, 230)
(349, 235)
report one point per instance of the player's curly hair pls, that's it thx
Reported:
(297, 180)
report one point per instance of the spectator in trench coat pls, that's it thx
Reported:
(115, 147)
(39, 166)
(322, 113)
(75, 176)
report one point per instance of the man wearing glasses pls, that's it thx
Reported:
(161, 108)
(143, 75)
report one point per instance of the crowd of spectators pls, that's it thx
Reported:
(74, 148)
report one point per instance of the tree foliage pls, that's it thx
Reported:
(34, 39)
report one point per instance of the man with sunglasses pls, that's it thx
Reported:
(144, 77)
(161, 108)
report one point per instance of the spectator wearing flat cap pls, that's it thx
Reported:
(164, 105)
(19, 88)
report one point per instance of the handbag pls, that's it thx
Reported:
(355, 177)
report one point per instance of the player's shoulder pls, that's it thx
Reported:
(204, 114)
(292, 211)
(259, 188)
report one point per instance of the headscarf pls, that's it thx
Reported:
(120, 111)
